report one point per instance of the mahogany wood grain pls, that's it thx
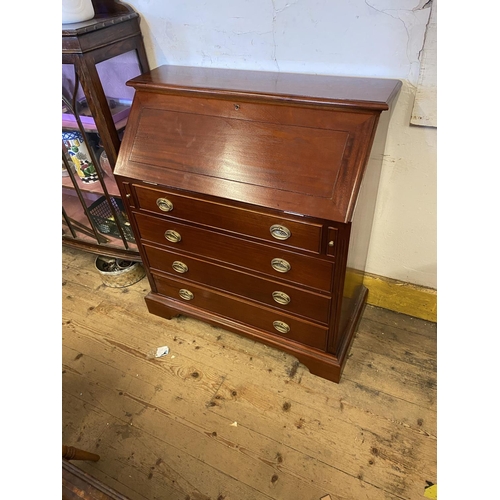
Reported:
(345, 92)
(305, 234)
(237, 151)
(258, 162)
(79, 38)
(244, 312)
(305, 270)
(313, 306)
(241, 151)
(360, 229)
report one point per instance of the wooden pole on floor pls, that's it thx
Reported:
(71, 453)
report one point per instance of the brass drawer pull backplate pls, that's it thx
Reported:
(186, 294)
(164, 205)
(172, 236)
(281, 265)
(281, 326)
(280, 232)
(179, 267)
(281, 298)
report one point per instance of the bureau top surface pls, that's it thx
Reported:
(368, 93)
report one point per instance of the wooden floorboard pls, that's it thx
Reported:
(222, 417)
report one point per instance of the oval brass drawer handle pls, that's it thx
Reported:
(164, 205)
(281, 265)
(281, 298)
(186, 294)
(172, 236)
(281, 326)
(280, 232)
(179, 267)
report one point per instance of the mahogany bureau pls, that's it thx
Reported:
(251, 195)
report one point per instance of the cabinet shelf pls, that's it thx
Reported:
(119, 108)
(94, 187)
(91, 127)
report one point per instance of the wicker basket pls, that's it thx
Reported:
(119, 273)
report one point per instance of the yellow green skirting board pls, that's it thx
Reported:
(431, 492)
(417, 301)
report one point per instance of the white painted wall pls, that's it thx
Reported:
(379, 38)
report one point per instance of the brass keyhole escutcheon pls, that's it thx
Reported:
(281, 265)
(179, 267)
(165, 205)
(172, 236)
(186, 294)
(281, 326)
(281, 298)
(280, 232)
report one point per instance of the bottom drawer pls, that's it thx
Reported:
(265, 319)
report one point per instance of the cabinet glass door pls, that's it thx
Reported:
(93, 212)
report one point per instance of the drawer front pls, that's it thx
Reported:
(283, 230)
(290, 299)
(303, 270)
(273, 322)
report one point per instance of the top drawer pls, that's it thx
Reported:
(271, 228)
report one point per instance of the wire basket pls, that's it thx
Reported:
(102, 216)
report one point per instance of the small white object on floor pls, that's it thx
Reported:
(158, 352)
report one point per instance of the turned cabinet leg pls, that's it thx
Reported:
(71, 453)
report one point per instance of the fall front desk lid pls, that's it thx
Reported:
(291, 142)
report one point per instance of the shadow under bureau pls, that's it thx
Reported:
(251, 195)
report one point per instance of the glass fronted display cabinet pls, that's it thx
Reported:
(98, 57)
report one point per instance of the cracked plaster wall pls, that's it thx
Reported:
(380, 38)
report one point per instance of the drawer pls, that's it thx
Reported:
(278, 263)
(271, 293)
(268, 320)
(273, 228)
